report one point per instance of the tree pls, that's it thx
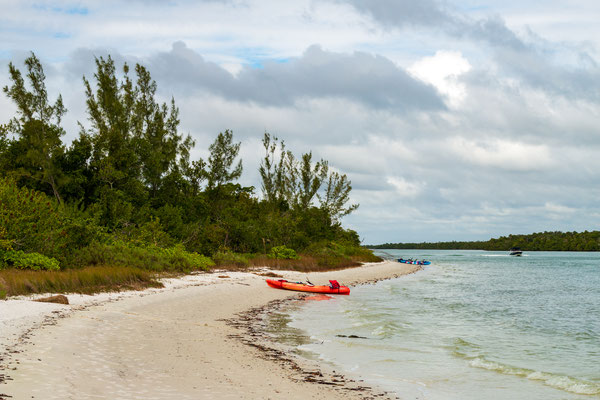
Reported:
(78, 183)
(223, 153)
(37, 126)
(137, 149)
(155, 133)
(337, 194)
(4, 143)
(311, 180)
(111, 113)
(277, 171)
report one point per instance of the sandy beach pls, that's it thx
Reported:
(194, 339)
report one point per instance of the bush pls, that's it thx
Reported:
(34, 223)
(148, 257)
(228, 258)
(331, 254)
(5, 243)
(283, 253)
(22, 260)
(31, 219)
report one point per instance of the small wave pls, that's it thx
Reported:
(386, 330)
(461, 343)
(464, 349)
(562, 382)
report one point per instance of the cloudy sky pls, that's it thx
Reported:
(454, 120)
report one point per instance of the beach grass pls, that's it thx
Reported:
(89, 280)
(325, 261)
(121, 270)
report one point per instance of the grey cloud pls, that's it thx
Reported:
(527, 61)
(392, 13)
(434, 14)
(538, 72)
(371, 80)
(81, 61)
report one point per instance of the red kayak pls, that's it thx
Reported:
(334, 288)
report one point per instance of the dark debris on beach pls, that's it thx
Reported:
(251, 323)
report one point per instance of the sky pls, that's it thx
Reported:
(454, 120)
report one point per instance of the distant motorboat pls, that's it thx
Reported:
(411, 261)
(516, 251)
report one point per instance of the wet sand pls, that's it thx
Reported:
(195, 339)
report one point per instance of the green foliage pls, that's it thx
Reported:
(311, 179)
(540, 241)
(283, 253)
(334, 253)
(148, 233)
(137, 151)
(126, 192)
(37, 127)
(5, 243)
(33, 222)
(22, 260)
(337, 194)
(228, 258)
(274, 172)
(149, 257)
(223, 153)
(296, 183)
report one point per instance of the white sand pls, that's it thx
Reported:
(170, 343)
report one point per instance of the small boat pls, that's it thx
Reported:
(516, 251)
(411, 261)
(333, 288)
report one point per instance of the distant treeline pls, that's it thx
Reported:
(541, 241)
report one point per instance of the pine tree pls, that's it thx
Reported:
(223, 153)
(38, 145)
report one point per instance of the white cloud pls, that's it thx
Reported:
(403, 187)
(558, 209)
(443, 71)
(503, 154)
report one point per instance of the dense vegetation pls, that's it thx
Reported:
(541, 241)
(126, 192)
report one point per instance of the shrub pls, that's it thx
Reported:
(22, 260)
(332, 254)
(5, 243)
(34, 223)
(231, 259)
(31, 219)
(148, 257)
(283, 253)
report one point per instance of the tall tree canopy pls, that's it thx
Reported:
(223, 153)
(38, 144)
(137, 148)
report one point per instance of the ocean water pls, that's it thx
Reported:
(473, 325)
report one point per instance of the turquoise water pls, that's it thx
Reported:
(473, 325)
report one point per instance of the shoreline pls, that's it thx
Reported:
(199, 337)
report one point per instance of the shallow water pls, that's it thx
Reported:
(473, 325)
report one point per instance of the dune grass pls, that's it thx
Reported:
(87, 280)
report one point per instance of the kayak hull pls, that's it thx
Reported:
(302, 287)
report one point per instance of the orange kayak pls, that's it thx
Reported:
(335, 288)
